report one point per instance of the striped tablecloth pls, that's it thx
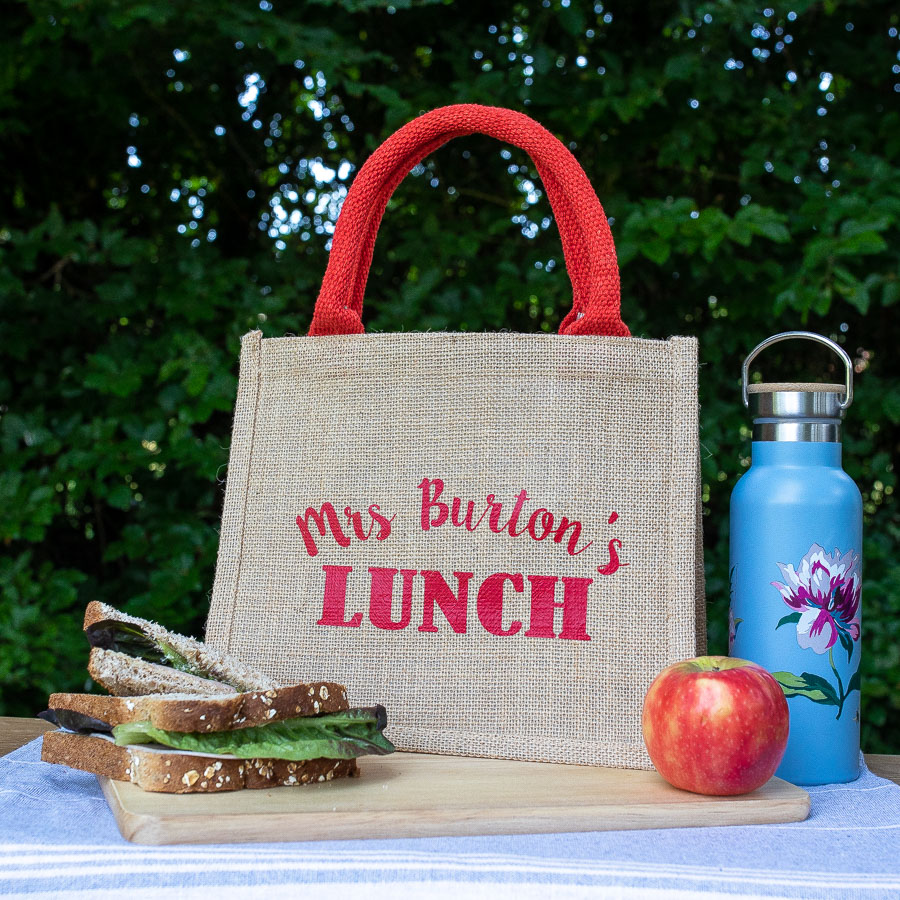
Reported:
(58, 839)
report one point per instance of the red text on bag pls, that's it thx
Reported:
(540, 525)
(453, 604)
(326, 519)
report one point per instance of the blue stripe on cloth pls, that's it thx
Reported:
(58, 838)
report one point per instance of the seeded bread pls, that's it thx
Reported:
(221, 667)
(174, 772)
(199, 713)
(126, 676)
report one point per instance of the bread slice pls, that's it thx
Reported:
(199, 713)
(176, 772)
(222, 667)
(126, 676)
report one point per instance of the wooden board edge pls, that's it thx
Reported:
(791, 804)
(192, 830)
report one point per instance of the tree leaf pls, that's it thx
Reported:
(863, 242)
(119, 496)
(656, 249)
(789, 619)
(679, 68)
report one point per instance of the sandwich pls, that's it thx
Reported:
(132, 656)
(187, 743)
(184, 718)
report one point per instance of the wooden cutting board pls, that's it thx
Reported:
(408, 795)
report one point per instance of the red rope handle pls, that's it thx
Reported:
(587, 241)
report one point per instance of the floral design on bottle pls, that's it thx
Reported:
(823, 594)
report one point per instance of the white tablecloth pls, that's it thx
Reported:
(58, 839)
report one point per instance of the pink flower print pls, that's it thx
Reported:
(824, 594)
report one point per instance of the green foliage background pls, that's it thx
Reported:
(172, 171)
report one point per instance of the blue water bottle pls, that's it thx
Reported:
(796, 566)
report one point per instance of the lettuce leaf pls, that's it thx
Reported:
(123, 637)
(341, 735)
(75, 721)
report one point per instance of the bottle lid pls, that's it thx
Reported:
(797, 411)
(796, 399)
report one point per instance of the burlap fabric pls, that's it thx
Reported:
(495, 535)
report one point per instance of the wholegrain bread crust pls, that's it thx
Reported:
(183, 773)
(125, 676)
(218, 666)
(198, 713)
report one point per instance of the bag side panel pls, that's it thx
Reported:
(699, 570)
(228, 563)
(685, 527)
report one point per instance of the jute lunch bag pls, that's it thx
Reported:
(497, 536)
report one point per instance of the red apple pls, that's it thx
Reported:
(715, 725)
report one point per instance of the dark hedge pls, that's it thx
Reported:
(172, 171)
